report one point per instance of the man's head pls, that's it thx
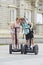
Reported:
(22, 20)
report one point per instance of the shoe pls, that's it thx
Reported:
(31, 47)
(26, 46)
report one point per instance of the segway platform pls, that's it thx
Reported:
(15, 50)
(30, 50)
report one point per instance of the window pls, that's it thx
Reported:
(12, 15)
(39, 18)
(27, 15)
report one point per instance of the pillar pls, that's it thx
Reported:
(42, 18)
(22, 5)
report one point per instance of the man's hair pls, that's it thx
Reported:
(22, 19)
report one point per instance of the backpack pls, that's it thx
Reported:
(26, 28)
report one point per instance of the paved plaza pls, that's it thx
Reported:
(19, 59)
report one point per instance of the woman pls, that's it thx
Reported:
(15, 24)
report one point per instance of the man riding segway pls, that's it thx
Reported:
(28, 31)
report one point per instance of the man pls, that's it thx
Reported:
(28, 31)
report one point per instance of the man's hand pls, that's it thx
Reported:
(31, 28)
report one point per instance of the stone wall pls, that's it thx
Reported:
(39, 29)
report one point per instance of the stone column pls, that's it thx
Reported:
(34, 15)
(29, 16)
(34, 18)
(22, 8)
(18, 7)
(42, 18)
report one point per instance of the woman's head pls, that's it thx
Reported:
(17, 20)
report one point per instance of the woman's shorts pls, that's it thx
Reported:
(29, 36)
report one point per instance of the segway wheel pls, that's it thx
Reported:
(25, 48)
(10, 48)
(35, 49)
(21, 49)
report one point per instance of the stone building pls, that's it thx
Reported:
(10, 9)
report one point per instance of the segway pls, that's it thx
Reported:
(30, 50)
(16, 43)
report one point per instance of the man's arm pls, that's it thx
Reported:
(31, 25)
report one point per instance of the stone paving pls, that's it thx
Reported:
(19, 59)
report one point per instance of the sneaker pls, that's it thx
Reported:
(26, 46)
(31, 47)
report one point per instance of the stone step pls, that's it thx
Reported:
(7, 40)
